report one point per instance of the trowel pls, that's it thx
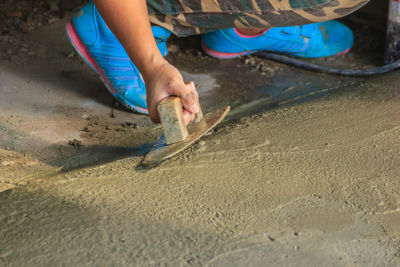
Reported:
(176, 135)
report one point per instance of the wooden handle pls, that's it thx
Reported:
(171, 116)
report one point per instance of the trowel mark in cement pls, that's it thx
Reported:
(317, 252)
(318, 233)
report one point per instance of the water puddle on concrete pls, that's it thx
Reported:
(282, 89)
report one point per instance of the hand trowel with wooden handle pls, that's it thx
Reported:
(177, 136)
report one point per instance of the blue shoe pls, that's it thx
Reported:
(99, 47)
(313, 40)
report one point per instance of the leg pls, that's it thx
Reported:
(188, 17)
(317, 36)
(98, 46)
(95, 42)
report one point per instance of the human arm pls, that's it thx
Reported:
(128, 19)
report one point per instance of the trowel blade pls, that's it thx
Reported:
(161, 151)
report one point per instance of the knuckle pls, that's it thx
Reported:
(173, 82)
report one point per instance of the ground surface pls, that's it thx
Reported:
(305, 171)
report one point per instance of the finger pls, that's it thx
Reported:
(187, 116)
(187, 94)
(153, 105)
(153, 112)
(192, 87)
(154, 116)
(190, 100)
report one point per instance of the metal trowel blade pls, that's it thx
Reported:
(161, 151)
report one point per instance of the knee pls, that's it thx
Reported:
(342, 8)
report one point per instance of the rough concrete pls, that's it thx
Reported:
(305, 171)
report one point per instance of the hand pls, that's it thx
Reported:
(165, 80)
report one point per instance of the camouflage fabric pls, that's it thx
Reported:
(188, 17)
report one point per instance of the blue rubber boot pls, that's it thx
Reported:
(99, 47)
(308, 41)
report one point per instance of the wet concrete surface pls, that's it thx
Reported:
(49, 101)
(303, 172)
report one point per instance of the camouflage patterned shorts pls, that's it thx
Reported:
(188, 17)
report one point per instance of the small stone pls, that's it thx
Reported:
(53, 20)
(88, 128)
(269, 237)
(266, 69)
(32, 163)
(77, 144)
(71, 54)
(24, 27)
(7, 163)
(173, 48)
(54, 7)
(130, 125)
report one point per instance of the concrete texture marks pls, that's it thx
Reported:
(304, 171)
